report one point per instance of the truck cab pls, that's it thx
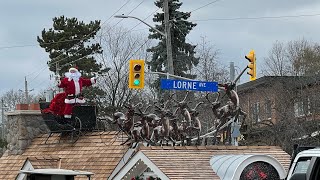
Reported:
(305, 164)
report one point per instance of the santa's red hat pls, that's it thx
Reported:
(73, 69)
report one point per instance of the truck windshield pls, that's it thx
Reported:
(302, 165)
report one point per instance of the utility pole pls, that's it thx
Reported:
(57, 69)
(26, 89)
(2, 119)
(3, 123)
(167, 27)
(232, 71)
(168, 37)
(57, 90)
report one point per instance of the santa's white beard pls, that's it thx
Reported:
(74, 76)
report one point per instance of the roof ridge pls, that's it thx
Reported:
(210, 147)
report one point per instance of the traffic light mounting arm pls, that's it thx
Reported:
(244, 70)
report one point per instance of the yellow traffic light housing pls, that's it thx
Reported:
(136, 74)
(251, 57)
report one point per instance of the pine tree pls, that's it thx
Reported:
(182, 52)
(68, 43)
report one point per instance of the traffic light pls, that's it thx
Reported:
(252, 65)
(136, 74)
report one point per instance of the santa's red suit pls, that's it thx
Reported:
(72, 84)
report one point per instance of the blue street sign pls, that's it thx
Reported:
(188, 85)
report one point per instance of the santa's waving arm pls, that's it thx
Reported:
(88, 82)
(62, 83)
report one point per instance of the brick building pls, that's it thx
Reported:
(289, 100)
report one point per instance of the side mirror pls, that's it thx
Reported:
(298, 176)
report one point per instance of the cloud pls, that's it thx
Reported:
(24, 20)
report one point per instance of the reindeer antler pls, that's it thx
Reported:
(138, 104)
(185, 96)
(207, 97)
(166, 103)
(145, 110)
(175, 112)
(157, 106)
(170, 97)
(217, 97)
(199, 103)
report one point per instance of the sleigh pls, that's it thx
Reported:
(83, 119)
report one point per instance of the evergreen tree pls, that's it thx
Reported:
(182, 52)
(68, 43)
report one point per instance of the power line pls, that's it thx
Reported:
(261, 17)
(185, 35)
(139, 48)
(196, 9)
(33, 45)
(89, 34)
(70, 40)
(204, 6)
(82, 39)
(17, 46)
(98, 29)
(130, 12)
(116, 12)
(131, 29)
(144, 19)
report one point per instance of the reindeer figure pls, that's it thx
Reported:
(184, 111)
(165, 128)
(175, 132)
(196, 124)
(183, 132)
(155, 123)
(145, 128)
(228, 111)
(126, 123)
(183, 107)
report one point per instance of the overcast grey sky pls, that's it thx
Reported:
(22, 21)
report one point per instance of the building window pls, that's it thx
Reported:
(298, 109)
(267, 109)
(302, 108)
(256, 112)
(308, 106)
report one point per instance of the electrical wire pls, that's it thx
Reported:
(204, 6)
(261, 17)
(83, 48)
(185, 35)
(84, 57)
(34, 45)
(144, 19)
(101, 25)
(82, 39)
(17, 46)
(69, 40)
(196, 9)
(130, 12)
(131, 29)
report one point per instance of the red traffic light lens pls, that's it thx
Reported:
(137, 67)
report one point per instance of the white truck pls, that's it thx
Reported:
(305, 164)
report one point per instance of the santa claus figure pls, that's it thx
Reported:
(73, 84)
